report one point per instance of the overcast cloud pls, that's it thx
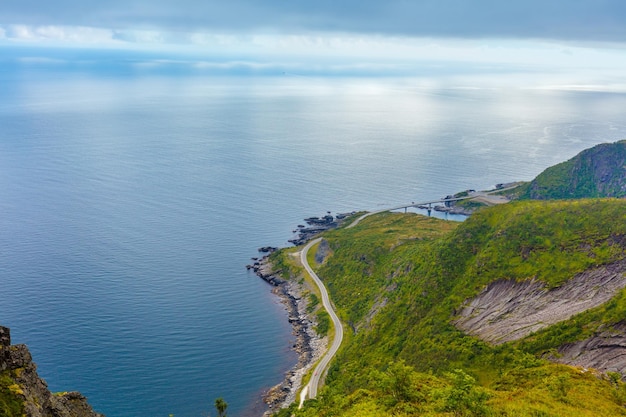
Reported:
(571, 20)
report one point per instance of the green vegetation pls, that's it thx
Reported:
(11, 403)
(470, 204)
(221, 406)
(596, 172)
(323, 323)
(314, 301)
(398, 280)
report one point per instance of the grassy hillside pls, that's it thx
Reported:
(399, 279)
(596, 172)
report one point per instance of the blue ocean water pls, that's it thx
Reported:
(130, 205)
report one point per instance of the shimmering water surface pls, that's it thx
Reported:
(129, 207)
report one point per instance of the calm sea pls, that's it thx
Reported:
(129, 207)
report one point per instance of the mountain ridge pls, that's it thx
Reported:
(599, 171)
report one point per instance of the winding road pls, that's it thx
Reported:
(310, 389)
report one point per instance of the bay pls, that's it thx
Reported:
(130, 205)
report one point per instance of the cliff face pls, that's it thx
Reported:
(23, 392)
(605, 350)
(596, 172)
(508, 310)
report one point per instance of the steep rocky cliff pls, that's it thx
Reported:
(23, 392)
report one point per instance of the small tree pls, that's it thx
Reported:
(221, 406)
(463, 397)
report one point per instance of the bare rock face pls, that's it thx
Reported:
(323, 250)
(507, 310)
(605, 351)
(16, 361)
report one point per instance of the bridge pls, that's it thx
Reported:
(486, 197)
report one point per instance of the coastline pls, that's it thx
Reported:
(308, 345)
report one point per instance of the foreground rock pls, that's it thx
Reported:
(16, 363)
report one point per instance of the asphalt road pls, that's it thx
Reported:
(320, 370)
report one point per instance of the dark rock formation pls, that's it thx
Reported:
(323, 250)
(318, 225)
(263, 269)
(16, 363)
(268, 249)
(326, 220)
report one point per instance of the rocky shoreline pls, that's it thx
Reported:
(317, 225)
(308, 345)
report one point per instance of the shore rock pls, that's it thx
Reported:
(318, 225)
(308, 345)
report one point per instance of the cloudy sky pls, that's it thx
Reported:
(380, 35)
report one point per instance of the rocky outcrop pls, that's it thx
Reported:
(318, 225)
(454, 209)
(16, 363)
(263, 268)
(507, 310)
(323, 250)
(605, 351)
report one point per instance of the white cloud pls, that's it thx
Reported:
(341, 47)
(565, 64)
(57, 35)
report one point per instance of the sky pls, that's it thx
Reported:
(333, 36)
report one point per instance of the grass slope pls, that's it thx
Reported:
(397, 280)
